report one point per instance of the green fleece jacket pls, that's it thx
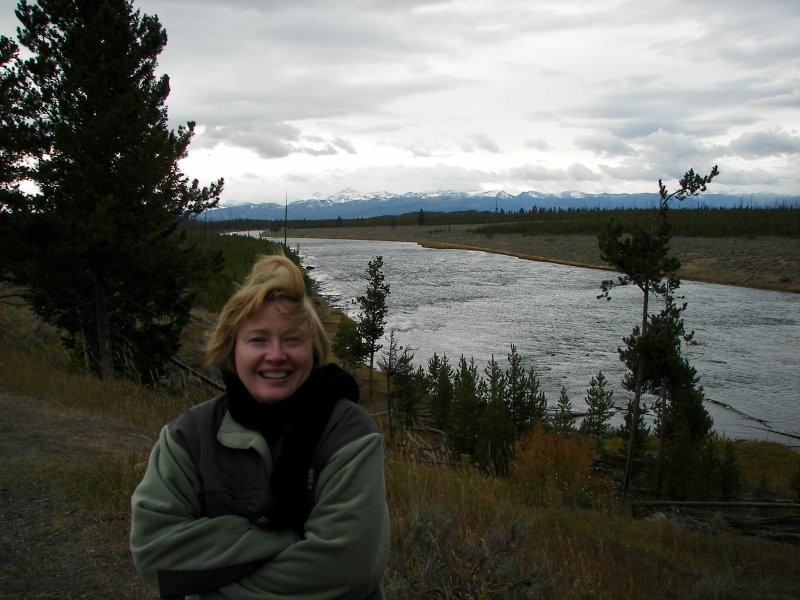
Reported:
(184, 544)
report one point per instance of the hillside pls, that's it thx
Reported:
(72, 448)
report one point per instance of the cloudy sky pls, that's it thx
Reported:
(311, 97)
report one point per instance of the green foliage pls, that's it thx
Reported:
(483, 417)
(525, 398)
(600, 407)
(794, 483)
(463, 427)
(234, 256)
(439, 385)
(564, 417)
(348, 345)
(371, 321)
(730, 475)
(405, 386)
(97, 247)
(495, 446)
(643, 259)
(641, 433)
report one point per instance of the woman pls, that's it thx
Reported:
(275, 488)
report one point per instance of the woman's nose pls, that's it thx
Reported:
(274, 350)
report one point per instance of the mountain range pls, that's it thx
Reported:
(350, 204)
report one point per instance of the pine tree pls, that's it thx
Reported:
(348, 345)
(464, 425)
(535, 400)
(599, 407)
(494, 449)
(439, 383)
(404, 384)
(371, 322)
(97, 247)
(526, 401)
(564, 418)
(642, 257)
(730, 478)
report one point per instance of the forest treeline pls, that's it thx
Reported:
(708, 221)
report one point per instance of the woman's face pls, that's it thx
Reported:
(273, 354)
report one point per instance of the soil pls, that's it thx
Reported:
(51, 545)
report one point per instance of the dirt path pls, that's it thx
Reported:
(52, 544)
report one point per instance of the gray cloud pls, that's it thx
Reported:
(582, 84)
(537, 144)
(766, 143)
(480, 141)
(605, 144)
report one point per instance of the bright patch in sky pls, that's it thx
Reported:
(311, 97)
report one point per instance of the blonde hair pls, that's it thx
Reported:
(272, 278)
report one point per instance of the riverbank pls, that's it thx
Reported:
(771, 263)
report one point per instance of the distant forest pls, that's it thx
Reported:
(706, 222)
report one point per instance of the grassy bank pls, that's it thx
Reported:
(74, 448)
(765, 262)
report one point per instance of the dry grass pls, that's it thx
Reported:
(72, 448)
(766, 263)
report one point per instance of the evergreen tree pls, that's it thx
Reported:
(464, 425)
(681, 417)
(526, 401)
(11, 153)
(371, 322)
(535, 400)
(439, 383)
(564, 418)
(516, 387)
(730, 477)
(642, 257)
(404, 384)
(495, 382)
(348, 345)
(495, 445)
(794, 483)
(599, 407)
(637, 453)
(97, 247)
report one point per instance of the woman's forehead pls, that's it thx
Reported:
(277, 313)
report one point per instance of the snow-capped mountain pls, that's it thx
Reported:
(351, 204)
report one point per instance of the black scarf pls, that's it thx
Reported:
(299, 421)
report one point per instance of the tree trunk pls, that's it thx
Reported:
(661, 440)
(104, 358)
(637, 394)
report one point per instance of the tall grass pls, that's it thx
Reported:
(552, 529)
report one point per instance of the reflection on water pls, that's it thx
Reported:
(455, 302)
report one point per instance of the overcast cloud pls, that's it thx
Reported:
(311, 97)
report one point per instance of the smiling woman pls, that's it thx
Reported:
(279, 477)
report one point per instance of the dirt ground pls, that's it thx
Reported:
(764, 262)
(51, 545)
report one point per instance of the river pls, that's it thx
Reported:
(476, 304)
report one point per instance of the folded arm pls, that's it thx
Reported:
(177, 551)
(346, 543)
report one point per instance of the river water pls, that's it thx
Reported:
(476, 304)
